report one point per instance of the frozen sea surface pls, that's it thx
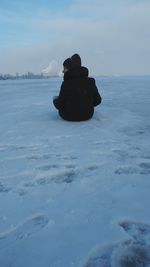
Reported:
(75, 194)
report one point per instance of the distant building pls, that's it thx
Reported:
(28, 75)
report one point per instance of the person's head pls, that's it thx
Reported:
(76, 60)
(67, 64)
(73, 62)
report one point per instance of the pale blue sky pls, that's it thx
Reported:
(112, 37)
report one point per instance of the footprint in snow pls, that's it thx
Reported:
(138, 231)
(23, 230)
(133, 252)
(145, 167)
(126, 170)
(39, 157)
(48, 167)
(66, 176)
(4, 189)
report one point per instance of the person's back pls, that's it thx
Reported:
(78, 94)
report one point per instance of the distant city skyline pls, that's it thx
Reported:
(28, 75)
(112, 37)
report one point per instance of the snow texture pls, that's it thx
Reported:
(75, 194)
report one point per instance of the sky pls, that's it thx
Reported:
(112, 37)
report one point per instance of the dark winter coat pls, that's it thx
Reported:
(78, 95)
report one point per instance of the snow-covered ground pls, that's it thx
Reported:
(75, 194)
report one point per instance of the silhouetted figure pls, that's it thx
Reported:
(78, 94)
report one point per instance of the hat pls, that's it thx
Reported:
(76, 60)
(68, 63)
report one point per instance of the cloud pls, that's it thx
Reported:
(52, 69)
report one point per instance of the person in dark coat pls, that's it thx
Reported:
(78, 94)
